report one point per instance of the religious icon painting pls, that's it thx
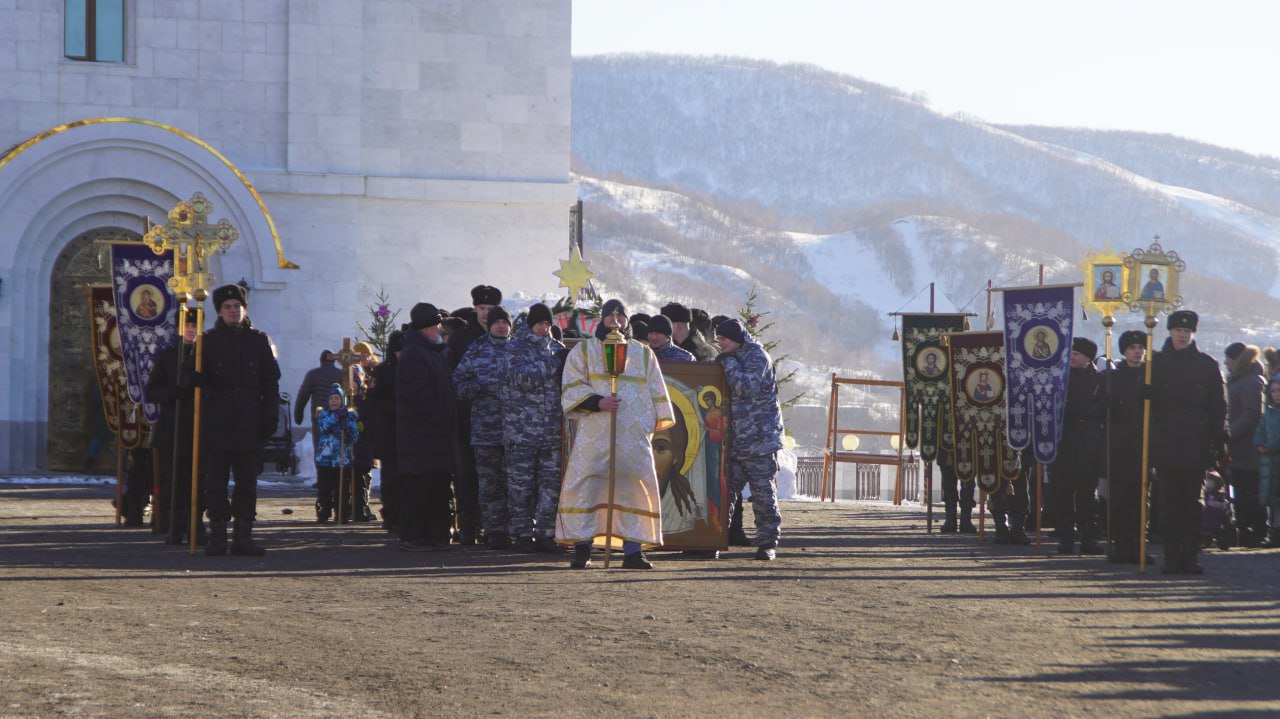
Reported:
(1106, 282)
(1153, 280)
(691, 458)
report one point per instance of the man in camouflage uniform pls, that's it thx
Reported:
(531, 432)
(479, 377)
(756, 428)
(1009, 505)
(660, 341)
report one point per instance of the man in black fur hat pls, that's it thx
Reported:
(1188, 437)
(1073, 475)
(685, 336)
(466, 482)
(241, 409)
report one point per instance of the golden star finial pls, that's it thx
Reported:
(574, 273)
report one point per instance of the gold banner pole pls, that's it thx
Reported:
(119, 481)
(199, 296)
(1146, 452)
(613, 468)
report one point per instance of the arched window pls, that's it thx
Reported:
(94, 30)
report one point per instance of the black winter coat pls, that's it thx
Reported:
(1188, 410)
(1125, 403)
(382, 399)
(240, 402)
(426, 409)
(163, 389)
(459, 341)
(1080, 449)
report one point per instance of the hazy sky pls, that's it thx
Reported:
(1208, 70)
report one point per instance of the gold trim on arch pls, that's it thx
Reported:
(275, 236)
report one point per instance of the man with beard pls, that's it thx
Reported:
(479, 378)
(757, 429)
(1245, 387)
(685, 336)
(1073, 475)
(1188, 436)
(241, 401)
(425, 432)
(1124, 495)
(170, 387)
(466, 481)
(532, 425)
(641, 407)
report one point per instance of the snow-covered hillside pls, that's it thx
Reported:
(842, 201)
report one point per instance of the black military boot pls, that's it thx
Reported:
(581, 556)
(1171, 563)
(242, 542)
(1002, 531)
(636, 560)
(1018, 535)
(949, 524)
(323, 512)
(217, 545)
(738, 536)
(966, 521)
(1190, 550)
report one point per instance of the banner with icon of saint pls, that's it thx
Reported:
(690, 457)
(145, 312)
(924, 374)
(977, 372)
(1037, 332)
(123, 416)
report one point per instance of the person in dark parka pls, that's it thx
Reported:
(1124, 400)
(426, 433)
(1246, 384)
(313, 394)
(240, 409)
(382, 399)
(1073, 475)
(1188, 437)
(177, 408)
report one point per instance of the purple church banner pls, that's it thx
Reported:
(1037, 334)
(146, 312)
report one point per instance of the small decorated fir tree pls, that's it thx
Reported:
(384, 321)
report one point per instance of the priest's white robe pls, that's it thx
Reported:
(644, 407)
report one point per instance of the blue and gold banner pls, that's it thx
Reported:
(924, 375)
(977, 374)
(146, 312)
(1037, 335)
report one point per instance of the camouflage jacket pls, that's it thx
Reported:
(531, 398)
(479, 377)
(673, 351)
(757, 415)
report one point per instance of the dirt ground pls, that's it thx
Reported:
(863, 614)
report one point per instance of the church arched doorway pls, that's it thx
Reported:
(78, 436)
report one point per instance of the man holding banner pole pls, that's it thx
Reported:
(241, 383)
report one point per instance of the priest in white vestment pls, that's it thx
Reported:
(642, 407)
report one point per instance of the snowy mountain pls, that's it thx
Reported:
(843, 200)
